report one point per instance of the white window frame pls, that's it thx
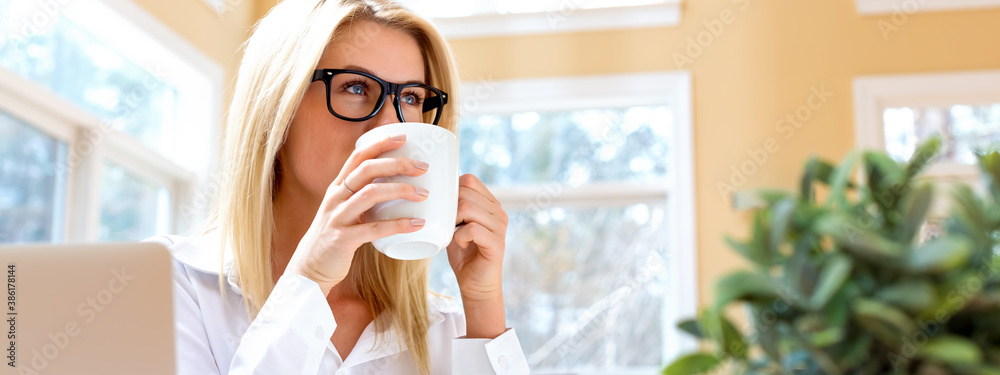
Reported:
(617, 91)
(569, 17)
(97, 143)
(880, 7)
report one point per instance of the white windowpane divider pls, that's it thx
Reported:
(90, 141)
(589, 195)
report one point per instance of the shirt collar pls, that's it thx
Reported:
(437, 306)
(200, 253)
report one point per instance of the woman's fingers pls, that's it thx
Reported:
(371, 194)
(370, 152)
(368, 232)
(476, 203)
(371, 169)
(488, 243)
(475, 209)
(473, 183)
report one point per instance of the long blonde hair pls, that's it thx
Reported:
(278, 61)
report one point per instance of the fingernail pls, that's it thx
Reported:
(423, 192)
(398, 137)
(421, 165)
(417, 222)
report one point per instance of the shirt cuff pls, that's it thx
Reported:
(502, 355)
(298, 302)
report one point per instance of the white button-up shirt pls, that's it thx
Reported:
(291, 334)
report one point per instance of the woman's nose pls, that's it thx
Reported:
(387, 115)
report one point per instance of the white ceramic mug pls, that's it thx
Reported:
(438, 147)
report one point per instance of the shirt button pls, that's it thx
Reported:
(503, 361)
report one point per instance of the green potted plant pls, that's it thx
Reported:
(843, 282)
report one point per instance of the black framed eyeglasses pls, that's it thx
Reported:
(358, 96)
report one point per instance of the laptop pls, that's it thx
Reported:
(87, 309)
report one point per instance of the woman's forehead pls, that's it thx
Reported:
(389, 53)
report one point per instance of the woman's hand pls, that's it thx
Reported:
(476, 256)
(325, 252)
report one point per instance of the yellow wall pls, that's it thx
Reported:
(761, 67)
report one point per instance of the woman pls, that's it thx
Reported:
(297, 288)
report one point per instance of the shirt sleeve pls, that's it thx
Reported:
(502, 355)
(290, 333)
(288, 336)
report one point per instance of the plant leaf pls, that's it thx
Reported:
(835, 272)
(736, 346)
(986, 370)
(989, 164)
(767, 333)
(952, 350)
(913, 295)
(761, 241)
(863, 243)
(749, 250)
(884, 177)
(696, 363)
(806, 190)
(923, 155)
(781, 216)
(888, 324)
(746, 286)
(939, 255)
(691, 327)
(818, 331)
(840, 180)
(914, 210)
(720, 330)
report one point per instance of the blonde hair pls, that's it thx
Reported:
(278, 61)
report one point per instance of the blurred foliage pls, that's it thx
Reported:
(852, 285)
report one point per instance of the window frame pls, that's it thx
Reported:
(95, 142)
(570, 17)
(881, 7)
(616, 91)
(874, 94)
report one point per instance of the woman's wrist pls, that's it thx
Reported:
(324, 285)
(485, 317)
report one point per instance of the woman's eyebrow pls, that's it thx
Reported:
(361, 69)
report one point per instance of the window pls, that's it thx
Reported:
(870, 7)
(595, 174)
(30, 189)
(965, 130)
(110, 117)
(469, 19)
(895, 113)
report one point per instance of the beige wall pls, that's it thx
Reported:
(761, 67)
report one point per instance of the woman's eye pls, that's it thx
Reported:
(412, 99)
(356, 89)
